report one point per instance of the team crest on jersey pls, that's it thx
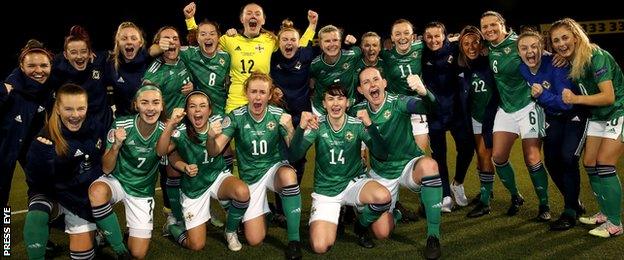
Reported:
(349, 136)
(271, 125)
(259, 48)
(415, 55)
(507, 50)
(546, 84)
(95, 74)
(221, 61)
(226, 122)
(175, 133)
(298, 65)
(110, 137)
(387, 114)
(345, 66)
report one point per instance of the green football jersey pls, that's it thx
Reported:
(259, 144)
(603, 67)
(137, 161)
(344, 71)
(361, 65)
(209, 74)
(515, 93)
(170, 78)
(395, 125)
(398, 66)
(195, 153)
(337, 160)
(480, 95)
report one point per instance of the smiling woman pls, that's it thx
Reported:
(22, 98)
(80, 65)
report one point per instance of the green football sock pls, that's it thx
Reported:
(173, 191)
(540, 182)
(235, 214)
(612, 193)
(506, 174)
(291, 203)
(36, 233)
(594, 183)
(106, 221)
(431, 197)
(487, 183)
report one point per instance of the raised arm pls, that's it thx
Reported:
(216, 140)
(164, 145)
(109, 159)
(374, 140)
(309, 33)
(286, 123)
(300, 143)
(425, 104)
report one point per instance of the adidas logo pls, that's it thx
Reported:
(78, 153)
(325, 135)
(131, 142)
(247, 126)
(238, 48)
(35, 245)
(18, 118)
(297, 210)
(121, 80)
(532, 130)
(40, 109)
(439, 205)
(610, 131)
(576, 119)
(429, 63)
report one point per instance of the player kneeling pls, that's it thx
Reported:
(406, 164)
(339, 177)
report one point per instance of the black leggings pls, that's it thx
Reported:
(562, 147)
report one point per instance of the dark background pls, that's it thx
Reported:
(49, 21)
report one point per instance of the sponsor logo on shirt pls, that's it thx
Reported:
(507, 50)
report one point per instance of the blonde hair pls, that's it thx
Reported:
(54, 125)
(116, 56)
(531, 33)
(287, 26)
(581, 57)
(328, 29)
(370, 35)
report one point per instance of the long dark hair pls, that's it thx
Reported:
(190, 130)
